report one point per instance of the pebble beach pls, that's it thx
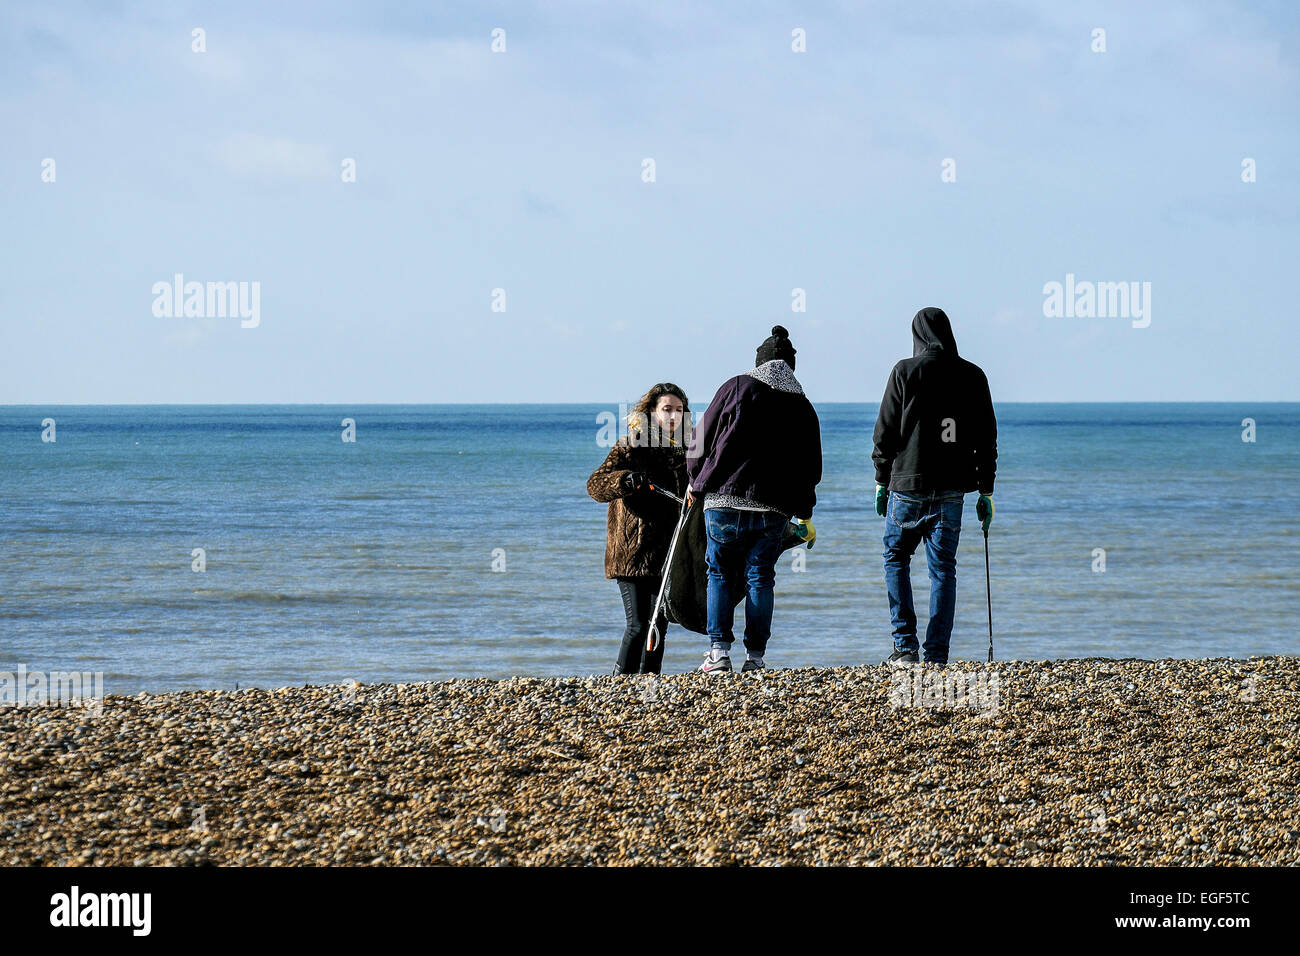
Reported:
(1073, 762)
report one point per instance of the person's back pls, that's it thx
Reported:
(935, 439)
(756, 460)
(760, 443)
(936, 430)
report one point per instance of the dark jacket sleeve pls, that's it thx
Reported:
(887, 437)
(813, 457)
(701, 456)
(986, 449)
(605, 483)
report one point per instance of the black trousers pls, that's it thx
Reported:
(638, 604)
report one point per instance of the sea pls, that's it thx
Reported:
(185, 547)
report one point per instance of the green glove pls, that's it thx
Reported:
(804, 529)
(882, 500)
(984, 511)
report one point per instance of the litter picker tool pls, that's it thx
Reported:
(988, 590)
(654, 639)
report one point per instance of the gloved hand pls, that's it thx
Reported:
(635, 481)
(984, 511)
(803, 527)
(882, 500)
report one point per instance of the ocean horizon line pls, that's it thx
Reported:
(344, 404)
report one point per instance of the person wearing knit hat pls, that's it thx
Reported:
(776, 346)
(756, 460)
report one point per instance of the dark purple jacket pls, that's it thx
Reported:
(759, 439)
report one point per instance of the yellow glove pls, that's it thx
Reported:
(805, 530)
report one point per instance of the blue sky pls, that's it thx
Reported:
(522, 170)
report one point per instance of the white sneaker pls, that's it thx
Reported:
(714, 664)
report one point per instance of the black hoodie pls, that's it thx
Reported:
(936, 430)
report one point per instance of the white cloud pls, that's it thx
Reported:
(276, 157)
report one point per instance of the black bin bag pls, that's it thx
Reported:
(687, 595)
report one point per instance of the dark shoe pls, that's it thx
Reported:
(901, 659)
(752, 666)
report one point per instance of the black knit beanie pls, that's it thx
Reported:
(776, 346)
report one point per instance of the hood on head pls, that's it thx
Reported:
(932, 330)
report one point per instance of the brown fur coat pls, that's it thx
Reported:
(640, 526)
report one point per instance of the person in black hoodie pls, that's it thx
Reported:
(756, 458)
(935, 439)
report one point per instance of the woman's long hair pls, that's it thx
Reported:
(641, 426)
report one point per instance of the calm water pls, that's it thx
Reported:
(373, 561)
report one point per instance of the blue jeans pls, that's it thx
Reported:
(936, 520)
(748, 540)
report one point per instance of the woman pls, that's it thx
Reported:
(641, 520)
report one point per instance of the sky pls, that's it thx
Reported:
(524, 170)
